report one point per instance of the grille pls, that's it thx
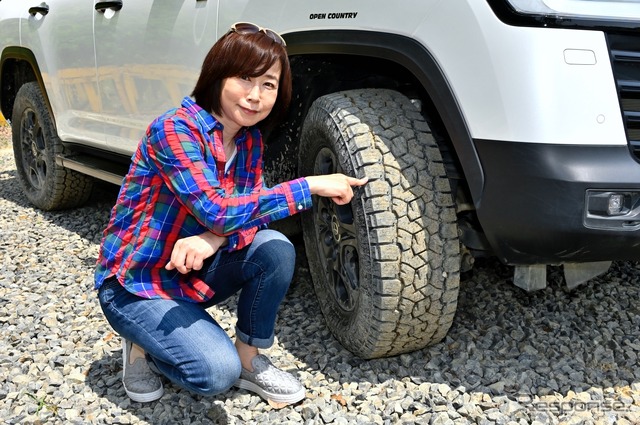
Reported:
(625, 56)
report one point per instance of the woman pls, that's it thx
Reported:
(189, 230)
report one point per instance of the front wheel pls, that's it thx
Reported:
(385, 268)
(46, 184)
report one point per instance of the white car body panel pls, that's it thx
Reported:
(67, 65)
(10, 13)
(504, 78)
(166, 41)
(514, 84)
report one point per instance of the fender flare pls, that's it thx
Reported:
(23, 55)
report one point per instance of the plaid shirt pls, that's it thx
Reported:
(177, 187)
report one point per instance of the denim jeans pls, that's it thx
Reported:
(184, 342)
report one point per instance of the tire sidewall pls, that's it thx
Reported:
(319, 137)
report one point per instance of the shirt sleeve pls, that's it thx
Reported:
(175, 147)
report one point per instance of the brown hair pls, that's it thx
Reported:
(235, 55)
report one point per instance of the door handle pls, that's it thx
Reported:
(101, 6)
(43, 9)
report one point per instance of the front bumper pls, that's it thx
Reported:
(533, 206)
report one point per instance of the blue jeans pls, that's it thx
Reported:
(183, 340)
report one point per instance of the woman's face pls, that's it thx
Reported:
(245, 101)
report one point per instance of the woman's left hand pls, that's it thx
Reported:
(189, 253)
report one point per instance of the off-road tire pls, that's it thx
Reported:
(47, 185)
(386, 268)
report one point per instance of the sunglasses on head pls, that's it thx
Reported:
(249, 28)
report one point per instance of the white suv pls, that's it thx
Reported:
(508, 128)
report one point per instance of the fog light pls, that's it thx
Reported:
(616, 203)
(617, 210)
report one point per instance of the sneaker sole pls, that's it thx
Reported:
(145, 397)
(278, 398)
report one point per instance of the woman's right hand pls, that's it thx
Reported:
(189, 253)
(338, 187)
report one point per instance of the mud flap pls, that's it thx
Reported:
(575, 274)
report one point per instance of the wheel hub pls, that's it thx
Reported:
(336, 240)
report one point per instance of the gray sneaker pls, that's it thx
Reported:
(140, 383)
(270, 383)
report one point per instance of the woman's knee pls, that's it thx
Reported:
(275, 251)
(214, 375)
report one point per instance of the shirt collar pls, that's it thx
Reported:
(208, 121)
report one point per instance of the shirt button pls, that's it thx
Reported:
(235, 245)
(300, 207)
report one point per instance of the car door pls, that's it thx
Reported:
(59, 33)
(149, 54)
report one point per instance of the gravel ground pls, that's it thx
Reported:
(5, 134)
(510, 358)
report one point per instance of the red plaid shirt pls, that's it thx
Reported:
(177, 187)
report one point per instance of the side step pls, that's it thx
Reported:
(96, 167)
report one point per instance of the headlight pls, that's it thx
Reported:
(591, 9)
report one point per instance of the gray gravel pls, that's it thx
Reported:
(510, 358)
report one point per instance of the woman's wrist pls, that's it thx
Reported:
(214, 240)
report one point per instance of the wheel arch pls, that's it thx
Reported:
(352, 51)
(18, 66)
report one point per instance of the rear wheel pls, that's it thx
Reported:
(46, 184)
(386, 267)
